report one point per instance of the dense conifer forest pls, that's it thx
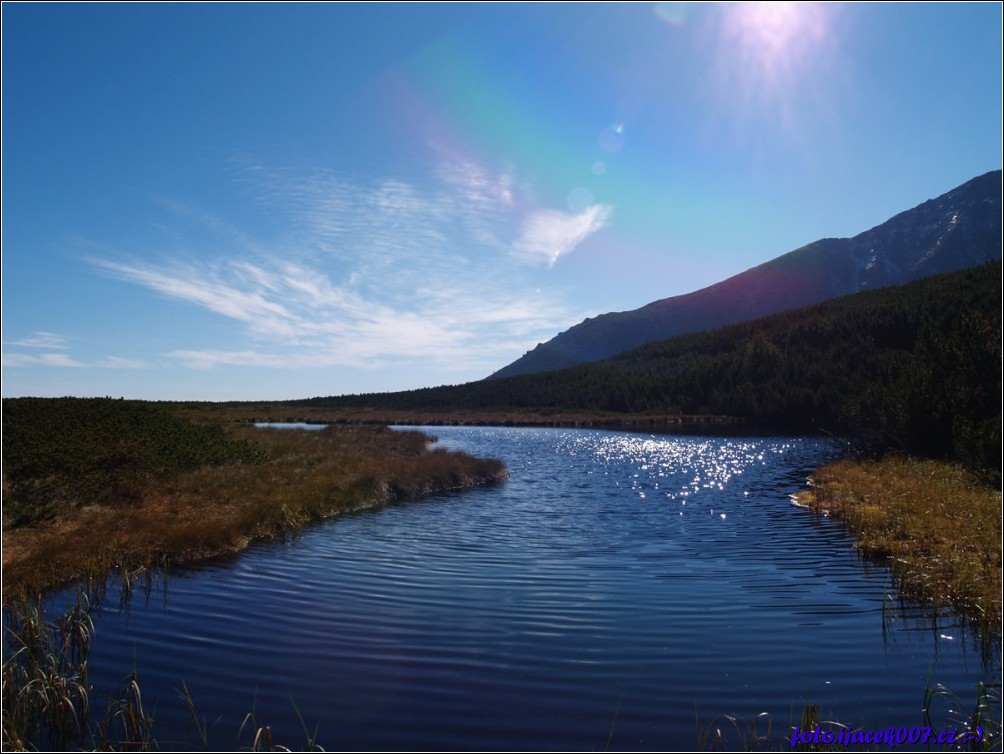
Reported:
(915, 368)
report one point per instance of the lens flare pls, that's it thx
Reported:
(773, 41)
(611, 138)
(672, 13)
(769, 56)
(768, 28)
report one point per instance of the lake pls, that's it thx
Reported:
(623, 585)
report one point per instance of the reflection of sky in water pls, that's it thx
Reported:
(509, 615)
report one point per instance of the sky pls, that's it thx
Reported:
(277, 201)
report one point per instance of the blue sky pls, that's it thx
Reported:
(289, 200)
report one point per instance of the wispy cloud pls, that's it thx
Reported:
(15, 360)
(56, 347)
(318, 324)
(40, 339)
(377, 273)
(42, 359)
(205, 287)
(549, 234)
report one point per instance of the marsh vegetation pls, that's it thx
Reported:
(936, 525)
(916, 368)
(451, 564)
(93, 486)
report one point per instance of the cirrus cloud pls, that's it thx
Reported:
(370, 274)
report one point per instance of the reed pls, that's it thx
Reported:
(201, 728)
(47, 697)
(262, 738)
(45, 677)
(47, 705)
(736, 733)
(295, 478)
(979, 719)
(933, 523)
(126, 725)
(732, 733)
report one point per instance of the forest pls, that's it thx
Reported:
(915, 368)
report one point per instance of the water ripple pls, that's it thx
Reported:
(656, 574)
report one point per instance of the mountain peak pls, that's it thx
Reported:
(955, 231)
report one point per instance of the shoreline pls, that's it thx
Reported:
(291, 413)
(935, 525)
(395, 466)
(307, 477)
(358, 463)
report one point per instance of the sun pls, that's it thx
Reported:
(774, 40)
(768, 29)
(768, 51)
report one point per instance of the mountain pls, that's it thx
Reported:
(958, 230)
(916, 367)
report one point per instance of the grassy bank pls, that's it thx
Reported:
(936, 525)
(495, 417)
(283, 481)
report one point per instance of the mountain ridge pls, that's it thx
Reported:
(913, 367)
(954, 231)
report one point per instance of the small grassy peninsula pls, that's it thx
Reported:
(95, 485)
(936, 524)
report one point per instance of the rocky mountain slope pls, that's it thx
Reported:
(955, 231)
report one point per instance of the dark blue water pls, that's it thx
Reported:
(645, 584)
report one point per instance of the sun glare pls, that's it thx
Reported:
(768, 29)
(774, 40)
(768, 50)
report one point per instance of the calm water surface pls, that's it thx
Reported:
(643, 579)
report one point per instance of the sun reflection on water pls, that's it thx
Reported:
(677, 469)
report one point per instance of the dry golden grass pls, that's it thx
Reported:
(280, 412)
(937, 526)
(307, 476)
